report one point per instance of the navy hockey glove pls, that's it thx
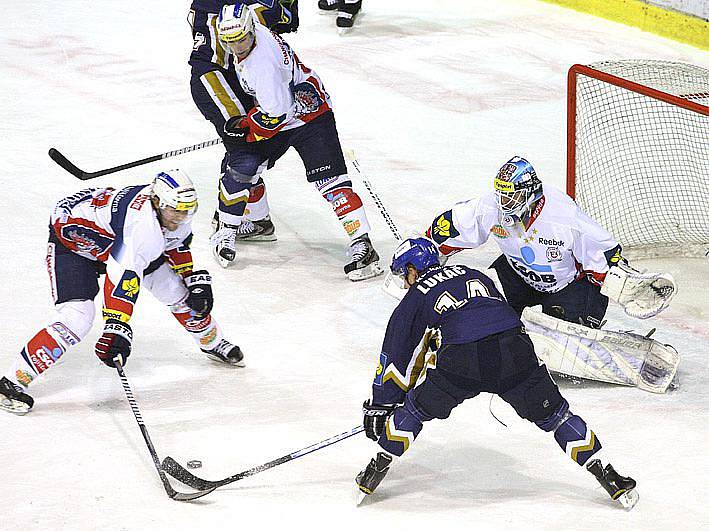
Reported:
(233, 128)
(200, 299)
(115, 342)
(375, 417)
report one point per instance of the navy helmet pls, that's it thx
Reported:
(419, 252)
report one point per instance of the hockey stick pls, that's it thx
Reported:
(172, 493)
(349, 154)
(173, 468)
(69, 166)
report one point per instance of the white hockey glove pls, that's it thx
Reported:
(641, 295)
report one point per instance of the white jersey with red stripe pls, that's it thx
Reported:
(288, 94)
(120, 228)
(557, 245)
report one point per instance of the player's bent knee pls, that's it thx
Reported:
(537, 398)
(77, 317)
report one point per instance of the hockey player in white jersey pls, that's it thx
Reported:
(139, 238)
(292, 109)
(553, 254)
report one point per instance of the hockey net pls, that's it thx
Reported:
(638, 152)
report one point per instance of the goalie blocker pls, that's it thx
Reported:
(616, 357)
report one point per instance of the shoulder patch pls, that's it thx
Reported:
(379, 377)
(443, 228)
(128, 287)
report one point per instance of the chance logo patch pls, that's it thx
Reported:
(443, 228)
(128, 287)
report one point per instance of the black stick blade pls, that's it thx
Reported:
(66, 164)
(181, 474)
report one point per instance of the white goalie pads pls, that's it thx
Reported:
(641, 295)
(616, 357)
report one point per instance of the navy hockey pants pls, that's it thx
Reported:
(579, 302)
(504, 364)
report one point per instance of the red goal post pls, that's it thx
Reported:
(638, 151)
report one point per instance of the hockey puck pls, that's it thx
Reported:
(195, 463)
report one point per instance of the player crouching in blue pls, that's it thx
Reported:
(138, 237)
(484, 348)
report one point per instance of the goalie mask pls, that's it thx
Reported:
(235, 26)
(517, 188)
(174, 198)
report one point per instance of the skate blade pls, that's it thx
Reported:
(370, 271)
(223, 361)
(628, 499)
(359, 495)
(14, 406)
(221, 260)
(259, 238)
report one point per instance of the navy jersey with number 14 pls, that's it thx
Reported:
(462, 303)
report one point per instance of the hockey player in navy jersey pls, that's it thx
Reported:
(483, 348)
(136, 238)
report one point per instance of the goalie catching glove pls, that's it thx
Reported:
(641, 295)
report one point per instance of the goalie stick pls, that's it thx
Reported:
(181, 474)
(172, 493)
(69, 166)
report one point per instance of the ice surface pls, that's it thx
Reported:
(433, 97)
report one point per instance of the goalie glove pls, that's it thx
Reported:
(641, 295)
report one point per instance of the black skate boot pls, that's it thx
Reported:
(365, 260)
(347, 12)
(370, 478)
(618, 487)
(226, 352)
(13, 398)
(261, 230)
(329, 5)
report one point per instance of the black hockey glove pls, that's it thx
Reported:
(235, 131)
(375, 417)
(200, 299)
(114, 343)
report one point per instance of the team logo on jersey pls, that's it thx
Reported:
(443, 228)
(499, 231)
(553, 253)
(307, 99)
(85, 239)
(379, 377)
(128, 287)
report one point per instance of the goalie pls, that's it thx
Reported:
(555, 256)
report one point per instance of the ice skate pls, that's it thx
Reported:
(618, 487)
(261, 230)
(13, 398)
(370, 478)
(365, 260)
(226, 352)
(346, 14)
(329, 5)
(224, 244)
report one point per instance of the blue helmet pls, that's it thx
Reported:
(517, 187)
(419, 252)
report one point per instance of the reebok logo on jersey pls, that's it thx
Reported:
(552, 241)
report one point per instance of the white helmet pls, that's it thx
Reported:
(235, 22)
(174, 189)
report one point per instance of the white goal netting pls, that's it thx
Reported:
(639, 159)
